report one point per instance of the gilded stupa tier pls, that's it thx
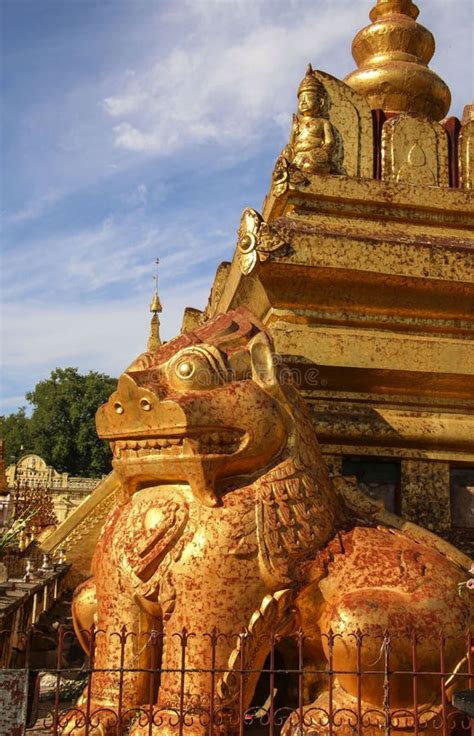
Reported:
(392, 55)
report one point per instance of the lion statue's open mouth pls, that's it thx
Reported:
(206, 441)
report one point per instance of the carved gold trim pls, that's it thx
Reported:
(415, 150)
(466, 149)
(257, 240)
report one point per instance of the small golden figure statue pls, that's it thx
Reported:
(312, 137)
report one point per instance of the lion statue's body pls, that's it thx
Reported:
(227, 519)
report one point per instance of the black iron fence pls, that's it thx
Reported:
(406, 688)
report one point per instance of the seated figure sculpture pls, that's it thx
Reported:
(228, 519)
(312, 137)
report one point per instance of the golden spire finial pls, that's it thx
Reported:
(392, 55)
(154, 340)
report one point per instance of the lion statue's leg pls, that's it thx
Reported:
(121, 646)
(84, 609)
(381, 583)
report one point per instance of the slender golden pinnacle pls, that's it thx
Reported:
(154, 340)
(392, 55)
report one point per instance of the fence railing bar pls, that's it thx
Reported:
(272, 685)
(151, 683)
(469, 659)
(123, 642)
(442, 667)
(359, 639)
(90, 672)
(386, 684)
(265, 671)
(184, 641)
(415, 681)
(242, 672)
(300, 678)
(213, 644)
(55, 723)
(331, 680)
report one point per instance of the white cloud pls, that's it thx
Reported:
(117, 252)
(34, 208)
(228, 78)
(101, 336)
(138, 197)
(212, 80)
(234, 66)
(81, 261)
(11, 403)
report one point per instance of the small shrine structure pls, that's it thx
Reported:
(31, 473)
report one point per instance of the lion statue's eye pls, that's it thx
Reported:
(194, 369)
(185, 369)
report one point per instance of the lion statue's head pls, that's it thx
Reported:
(210, 409)
(205, 407)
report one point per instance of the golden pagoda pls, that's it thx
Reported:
(360, 266)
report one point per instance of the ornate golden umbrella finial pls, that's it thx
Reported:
(154, 340)
(392, 55)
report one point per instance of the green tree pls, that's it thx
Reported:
(15, 431)
(61, 428)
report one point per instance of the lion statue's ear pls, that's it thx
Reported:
(263, 360)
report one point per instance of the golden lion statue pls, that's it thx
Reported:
(228, 519)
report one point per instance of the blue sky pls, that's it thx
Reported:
(137, 128)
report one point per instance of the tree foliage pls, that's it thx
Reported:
(15, 431)
(61, 428)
